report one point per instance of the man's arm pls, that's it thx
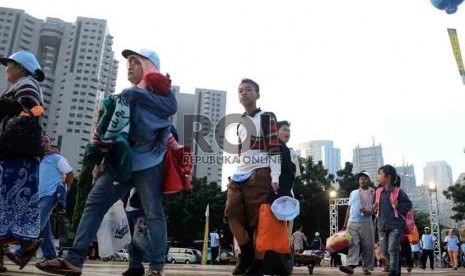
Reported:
(347, 217)
(270, 132)
(64, 167)
(404, 204)
(69, 179)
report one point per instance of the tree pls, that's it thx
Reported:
(84, 185)
(312, 192)
(185, 211)
(457, 194)
(347, 180)
(422, 220)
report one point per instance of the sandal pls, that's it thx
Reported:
(28, 253)
(62, 267)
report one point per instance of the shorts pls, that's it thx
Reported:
(243, 200)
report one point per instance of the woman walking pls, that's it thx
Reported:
(19, 161)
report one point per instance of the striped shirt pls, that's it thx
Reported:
(258, 145)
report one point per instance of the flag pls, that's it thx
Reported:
(205, 236)
(454, 41)
(207, 211)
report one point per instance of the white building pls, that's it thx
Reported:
(439, 174)
(197, 124)
(323, 150)
(369, 159)
(80, 70)
(210, 104)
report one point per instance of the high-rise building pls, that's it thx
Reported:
(186, 103)
(369, 159)
(439, 174)
(80, 70)
(210, 106)
(407, 175)
(323, 150)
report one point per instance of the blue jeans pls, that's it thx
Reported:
(389, 242)
(46, 205)
(104, 194)
(140, 243)
(61, 194)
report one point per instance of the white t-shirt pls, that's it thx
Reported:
(214, 239)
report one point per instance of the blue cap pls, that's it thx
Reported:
(28, 61)
(145, 53)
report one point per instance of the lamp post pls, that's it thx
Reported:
(434, 220)
(333, 213)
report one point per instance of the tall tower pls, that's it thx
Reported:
(80, 70)
(211, 104)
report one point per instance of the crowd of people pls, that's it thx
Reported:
(130, 166)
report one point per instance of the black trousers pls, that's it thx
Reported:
(215, 252)
(427, 253)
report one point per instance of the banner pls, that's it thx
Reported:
(454, 41)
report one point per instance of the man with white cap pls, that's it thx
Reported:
(427, 245)
(359, 223)
(148, 134)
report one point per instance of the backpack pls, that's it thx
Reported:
(409, 218)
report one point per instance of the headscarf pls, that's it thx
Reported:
(147, 67)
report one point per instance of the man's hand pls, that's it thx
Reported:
(97, 143)
(275, 187)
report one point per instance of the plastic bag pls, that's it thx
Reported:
(113, 234)
(413, 236)
(272, 234)
(338, 241)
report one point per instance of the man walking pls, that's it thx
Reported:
(299, 241)
(214, 245)
(360, 225)
(256, 177)
(427, 244)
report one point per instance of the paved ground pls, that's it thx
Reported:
(113, 268)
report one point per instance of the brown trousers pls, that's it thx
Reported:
(243, 204)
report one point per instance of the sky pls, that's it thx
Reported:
(347, 71)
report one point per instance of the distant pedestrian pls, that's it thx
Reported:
(427, 244)
(214, 245)
(299, 240)
(453, 248)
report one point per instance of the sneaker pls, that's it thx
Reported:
(366, 272)
(134, 272)
(347, 269)
(245, 260)
(156, 273)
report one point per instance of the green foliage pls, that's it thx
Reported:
(185, 211)
(347, 181)
(422, 220)
(84, 185)
(312, 192)
(457, 194)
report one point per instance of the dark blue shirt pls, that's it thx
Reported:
(386, 218)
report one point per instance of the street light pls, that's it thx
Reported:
(434, 220)
(432, 186)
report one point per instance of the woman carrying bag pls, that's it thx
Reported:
(20, 153)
